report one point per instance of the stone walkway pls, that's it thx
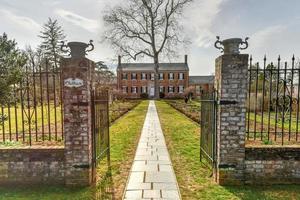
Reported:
(152, 175)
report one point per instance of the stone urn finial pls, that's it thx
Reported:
(77, 49)
(231, 45)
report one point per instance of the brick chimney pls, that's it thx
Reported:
(119, 60)
(185, 59)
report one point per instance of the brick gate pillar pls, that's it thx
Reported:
(231, 84)
(77, 77)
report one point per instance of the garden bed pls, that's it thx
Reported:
(119, 108)
(190, 109)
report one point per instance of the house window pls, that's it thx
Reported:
(133, 76)
(124, 89)
(134, 90)
(181, 76)
(171, 76)
(161, 89)
(180, 88)
(198, 89)
(124, 76)
(152, 76)
(161, 76)
(144, 89)
(171, 89)
(144, 76)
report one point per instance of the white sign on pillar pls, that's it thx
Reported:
(73, 82)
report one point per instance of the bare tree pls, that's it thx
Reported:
(150, 28)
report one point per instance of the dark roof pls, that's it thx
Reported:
(150, 67)
(201, 79)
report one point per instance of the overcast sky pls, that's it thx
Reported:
(272, 25)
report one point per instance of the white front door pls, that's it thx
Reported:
(152, 92)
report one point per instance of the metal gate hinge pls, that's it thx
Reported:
(83, 166)
(227, 102)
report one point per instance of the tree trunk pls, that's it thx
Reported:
(156, 77)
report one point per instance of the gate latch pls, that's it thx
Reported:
(227, 102)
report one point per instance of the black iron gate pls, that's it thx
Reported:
(208, 128)
(100, 126)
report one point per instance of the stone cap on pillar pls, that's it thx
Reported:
(77, 49)
(231, 45)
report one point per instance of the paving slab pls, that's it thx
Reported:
(152, 175)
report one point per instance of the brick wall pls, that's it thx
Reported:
(32, 166)
(272, 165)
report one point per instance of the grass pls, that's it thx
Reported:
(182, 137)
(273, 121)
(260, 132)
(39, 121)
(193, 111)
(45, 193)
(15, 114)
(14, 123)
(124, 135)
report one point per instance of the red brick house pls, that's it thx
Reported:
(134, 79)
(201, 83)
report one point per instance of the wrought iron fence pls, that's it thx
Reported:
(100, 125)
(273, 102)
(208, 124)
(34, 113)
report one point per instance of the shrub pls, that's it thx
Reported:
(144, 95)
(118, 95)
(161, 95)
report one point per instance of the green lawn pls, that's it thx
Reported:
(124, 135)
(271, 123)
(34, 119)
(45, 193)
(182, 137)
(39, 125)
(193, 111)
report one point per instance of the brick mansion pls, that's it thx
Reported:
(134, 79)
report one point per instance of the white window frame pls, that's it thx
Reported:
(181, 76)
(172, 89)
(134, 90)
(161, 88)
(124, 77)
(132, 76)
(144, 89)
(181, 89)
(161, 76)
(198, 89)
(152, 76)
(124, 89)
(171, 77)
(144, 76)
